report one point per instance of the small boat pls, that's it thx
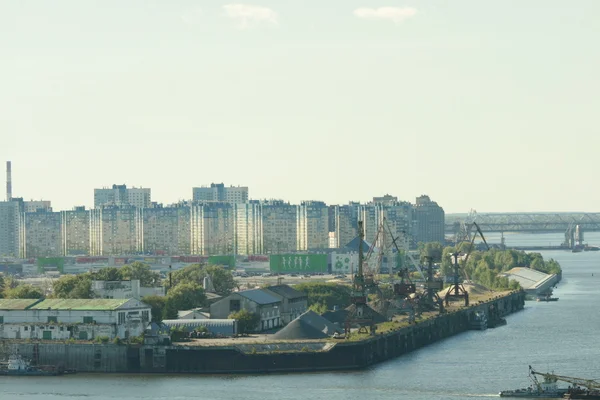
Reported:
(18, 366)
(547, 298)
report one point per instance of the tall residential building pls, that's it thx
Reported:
(220, 193)
(167, 230)
(122, 195)
(386, 199)
(279, 226)
(248, 228)
(41, 232)
(313, 226)
(429, 221)
(75, 227)
(212, 228)
(345, 224)
(10, 228)
(37, 205)
(398, 219)
(399, 216)
(115, 230)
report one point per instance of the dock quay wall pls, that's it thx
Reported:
(268, 357)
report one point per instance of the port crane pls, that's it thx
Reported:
(590, 384)
(359, 313)
(457, 289)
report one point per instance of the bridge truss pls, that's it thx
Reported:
(524, 222)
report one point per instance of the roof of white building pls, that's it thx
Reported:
(259, 296)
(17, 304)
(70, 304)
(528, 278)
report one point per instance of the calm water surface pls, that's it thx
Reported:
(562, 336)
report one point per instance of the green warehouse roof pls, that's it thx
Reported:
(17, 304)
(80, 304)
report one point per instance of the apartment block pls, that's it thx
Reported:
(36, 205)
(212, 228)
(248, 228)
(10, 228)
(75, 231)
(279, 226)
(122, 195)
(220, 193)
(312, 226)
(345, 225)
(429, 221)
(167, 230)
(116, 230)
(41, 233)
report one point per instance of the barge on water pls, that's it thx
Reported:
(548, 388)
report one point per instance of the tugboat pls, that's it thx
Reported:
(18, 366)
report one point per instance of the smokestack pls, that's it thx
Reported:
(8, 182)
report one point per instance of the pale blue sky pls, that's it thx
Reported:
(491, 105)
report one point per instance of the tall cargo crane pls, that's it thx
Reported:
(586, 383)
(457, 290)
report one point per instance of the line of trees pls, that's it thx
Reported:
(186, 292)
(484, 267)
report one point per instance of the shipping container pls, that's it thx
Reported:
(302, 263)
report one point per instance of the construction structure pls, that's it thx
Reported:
(359, 313)
(457, 290)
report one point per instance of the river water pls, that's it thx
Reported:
(560, 336)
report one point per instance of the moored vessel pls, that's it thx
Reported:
(18, 366)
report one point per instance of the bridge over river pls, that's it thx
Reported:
(524, 222)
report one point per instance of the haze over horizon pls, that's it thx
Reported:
(485, 106)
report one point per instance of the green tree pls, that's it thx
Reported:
(319, 308)
(247, 321)
(186, 296)
(72, 287)
(141, 271)
(329, 294)
(107, 274)
(158, 306)
(1, 285)
(221, 278)
(24, 292)
(433, 250)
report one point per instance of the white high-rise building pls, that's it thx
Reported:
(212, 229)
(167, 230)
(279, 226)
(75, 228)
(122, 195)
(220, 193)
(313, 226)
(248, 228)
(41, 232)
(115, 230)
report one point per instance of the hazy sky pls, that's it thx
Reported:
(491, 105)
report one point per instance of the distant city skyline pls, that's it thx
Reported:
(481, 105)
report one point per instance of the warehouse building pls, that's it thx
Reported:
(80, 319)
(293, 302)
(257, 301)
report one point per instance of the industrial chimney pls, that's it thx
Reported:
(8, 182)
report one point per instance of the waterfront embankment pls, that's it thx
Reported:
(267, 356)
